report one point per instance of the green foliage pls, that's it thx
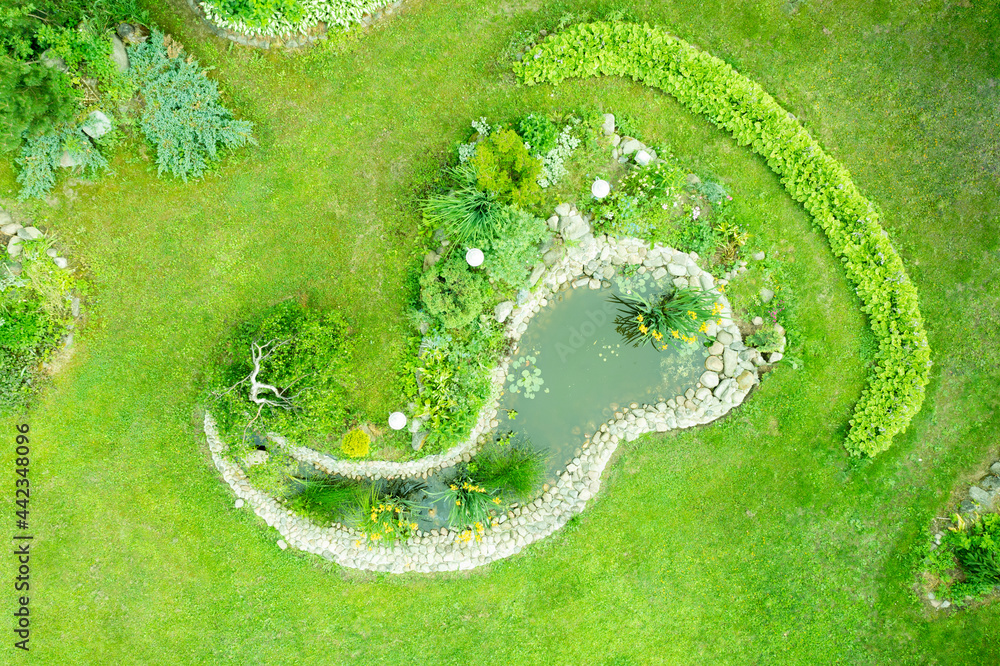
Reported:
(661, 320)
(282, 17)
(309, 352)
(467, 214)
(385, 518)
(356, 444)
(509, 465)
(260, 13)
(452, 380)
(182, 114)
(40, 157)
(707, 85)
(511, 252)
(34, 100)
(273, 476)
(506, 169)
(538, 132)
(469, 506)
(34, 317)
(967, 562)
(643, 189)
(453, 293)
(323, 501)
(766, 340)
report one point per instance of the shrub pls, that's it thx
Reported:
(660, 320)
(34, 100)
(766, 340)
(40, 158)
(510, 465)
(977, 548)
(506, 169)
(706, 84)
(512, 251)
(640, 190)
(303, 354)
(182, 115)
(467, 214)
(274, 476)
(453, 293)
(538, 132)
(356, 444)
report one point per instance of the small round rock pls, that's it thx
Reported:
(239, 504)
(281, 544)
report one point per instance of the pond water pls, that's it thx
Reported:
(587, 373)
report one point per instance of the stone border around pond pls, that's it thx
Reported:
(731, 372)
(294, 40)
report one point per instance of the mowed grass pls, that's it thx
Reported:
(751, 541)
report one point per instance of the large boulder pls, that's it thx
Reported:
(96, 125)
(503, 310)
(118, 54)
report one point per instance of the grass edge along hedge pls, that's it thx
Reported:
(705, 84)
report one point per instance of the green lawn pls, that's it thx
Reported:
(752, 541)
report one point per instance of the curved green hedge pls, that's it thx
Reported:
(706, 84)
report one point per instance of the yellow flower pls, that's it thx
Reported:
(413, 526)
(639, 318)
(458, 502)
(663, 347)
(675, 334)
(454, 487)
(693, 315)
(496, 500)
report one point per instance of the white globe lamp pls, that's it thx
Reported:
(475, 257)
(397, 420)
(600, 188)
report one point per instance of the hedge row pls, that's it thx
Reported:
(706, 84)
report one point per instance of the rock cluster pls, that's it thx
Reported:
(13, 234)
(984, 496)
(729, 376)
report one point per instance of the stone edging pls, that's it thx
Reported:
(441, 550)
(293, 40)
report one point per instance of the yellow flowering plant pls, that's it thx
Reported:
(385, 518)
(661, 320)
(471, 506)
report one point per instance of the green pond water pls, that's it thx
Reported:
(587, 373)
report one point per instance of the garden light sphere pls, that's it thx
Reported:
(475, 257)
(600, 188)
(397, 420)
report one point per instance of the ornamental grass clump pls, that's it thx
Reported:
(664, 319)
(322, 500)
(356, 444)
(511, 466)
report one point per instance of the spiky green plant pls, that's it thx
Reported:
(510, 465)
(663, 319)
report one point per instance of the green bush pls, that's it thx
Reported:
(305, 355)
(511, 466)
(707, 85)
(467, 214)
(766, 340)
(514, 249)
(182, 114)
(471, 507)
(34, 100)
(40, 157)
(453, 293)
(538, 132)
(324, 501)
(506, 169)
(261, 13)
